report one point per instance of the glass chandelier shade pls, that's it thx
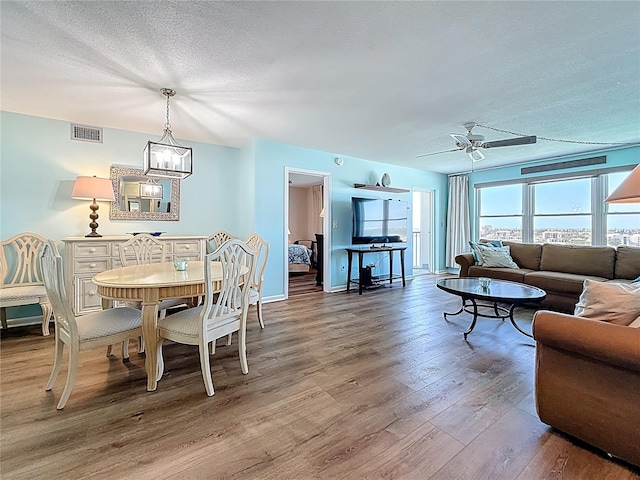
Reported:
(166, 158)
(150, 189)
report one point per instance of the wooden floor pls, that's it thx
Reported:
(303, 283)
(339, 386)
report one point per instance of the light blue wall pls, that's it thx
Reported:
(39, 164)
(615, 158)
(270, 162)
(238, 190)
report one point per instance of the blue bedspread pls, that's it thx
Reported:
(299, 254)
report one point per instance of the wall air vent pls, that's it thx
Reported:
(86, 134)
(562, 165)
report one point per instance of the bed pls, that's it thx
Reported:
(299, 258)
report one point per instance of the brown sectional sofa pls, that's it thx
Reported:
(587, 381)
(560, 270)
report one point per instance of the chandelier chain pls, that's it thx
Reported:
(557, 139)
(167, 125)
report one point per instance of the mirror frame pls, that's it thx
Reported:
(115, 211)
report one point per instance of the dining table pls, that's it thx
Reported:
(150, 284)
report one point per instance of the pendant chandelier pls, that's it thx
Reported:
(167, 158)
(150, 189)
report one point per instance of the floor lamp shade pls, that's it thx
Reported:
(93, 188)
(629, 190)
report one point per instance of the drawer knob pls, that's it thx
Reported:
(92, 250)
(125, 249)
(187, 247)
(92, 265)
(92, 293)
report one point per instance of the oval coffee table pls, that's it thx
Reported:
(470, 291)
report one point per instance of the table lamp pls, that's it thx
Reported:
(628, 191)
(93, 188)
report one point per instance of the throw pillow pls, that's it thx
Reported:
(497, 257)
(477, 258)
(609, 302)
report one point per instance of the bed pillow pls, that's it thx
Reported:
(477, 258)
(496, 257)
(612, 302)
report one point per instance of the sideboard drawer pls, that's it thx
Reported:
(186, 247)
(93, 249)
(87, 298)
(91, 266)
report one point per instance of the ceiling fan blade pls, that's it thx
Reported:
(510, 142)
(438, 153)
(461, 140)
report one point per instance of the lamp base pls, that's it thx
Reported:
(93, 216)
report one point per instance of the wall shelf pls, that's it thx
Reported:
(379, 188)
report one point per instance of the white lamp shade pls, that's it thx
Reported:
(88, 188)
(629, 190)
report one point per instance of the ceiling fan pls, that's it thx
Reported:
(471, 142)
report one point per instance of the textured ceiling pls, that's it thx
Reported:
(384, 81)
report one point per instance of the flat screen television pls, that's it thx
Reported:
(376, 220)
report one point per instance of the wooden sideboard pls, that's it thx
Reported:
(86, 257)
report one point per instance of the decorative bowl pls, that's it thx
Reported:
(153, 234)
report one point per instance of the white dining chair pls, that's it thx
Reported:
(143, 249)
(216, 239)
(223, 312)
(97, 329)
(261, 247)
(20, 278)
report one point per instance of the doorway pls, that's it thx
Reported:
(422, 234)
(307, 198)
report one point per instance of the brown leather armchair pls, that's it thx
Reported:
(587, 381)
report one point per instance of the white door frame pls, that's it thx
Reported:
(326, 223)
(427, 220)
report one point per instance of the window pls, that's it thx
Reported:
(500, 212)
(559, 209)
(562, 212)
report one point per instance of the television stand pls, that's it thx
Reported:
(361, 252)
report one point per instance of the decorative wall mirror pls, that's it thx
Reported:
(138, 197)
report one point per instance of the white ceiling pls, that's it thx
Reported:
(384, 81)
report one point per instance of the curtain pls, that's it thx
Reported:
(316, 207)
(458, 227)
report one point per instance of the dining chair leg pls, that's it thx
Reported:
(47, 310)
(57, 362)
(206, 369)
(242, 351)
(74, 352)
(259, 308)
(140, 344)
(229, 339)
(125, 351)
(109, 350)
(212, 348)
